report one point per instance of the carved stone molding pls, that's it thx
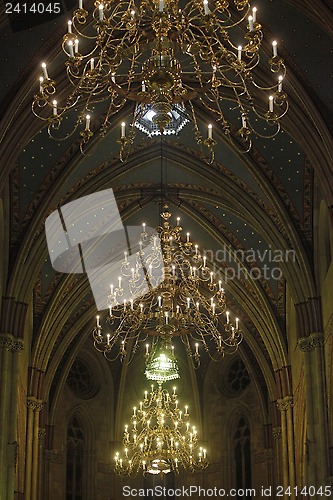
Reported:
(216, 467)
(34, 404)
(41, 433)
(305, 344)
(313, 341)
(54, 457)
(317, 340)
(8, 341)
(105, 468)
(12, 453)
(264, 456)
(277, 432)
(286, 403)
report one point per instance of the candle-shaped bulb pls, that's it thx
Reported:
(210, 131)
(97, 321)
(250, 19)
(239, 54)
(70, 48)
(197, 348)
(280, 83)
(237, 323)
(161, 5)
(178, 221)
(80, 4)
(271, 104)
(92, 64)
(274, 46)
(55, 108)
(206, 8)
(87, 122)
(228, 317)
(123, 128)
(100, 11)
(254, 14)
(76, 46)
(69, 25)
(46, 76)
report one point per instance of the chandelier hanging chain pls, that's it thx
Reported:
(166, 57)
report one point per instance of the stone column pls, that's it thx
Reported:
(277, 434)
(5, 372)
(321, 432)
(305, 346)
(41, 439)
(285, 405)
(9, 347)
(316, 412)
(31, 461)
(17, 347)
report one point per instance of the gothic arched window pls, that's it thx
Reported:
(74, 471)
(242, 450)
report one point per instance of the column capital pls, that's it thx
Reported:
(285, 403)
(41, 433)
(277, 432)
(313, 341)
(34, 403)
(318, 339)
(8, 341)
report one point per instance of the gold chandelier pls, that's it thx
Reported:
(171, 60)
(161, 438)
(184, 301)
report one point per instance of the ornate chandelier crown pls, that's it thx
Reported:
(171, 60)
(184, 301)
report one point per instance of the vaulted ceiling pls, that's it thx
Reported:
(262, 200)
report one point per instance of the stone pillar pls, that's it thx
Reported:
(305, 346)
(277, 434)
(321, 425)
(316, 411)
(285, 406)
(9, 349)
(12, 433)
(41, 439)
(32, 447)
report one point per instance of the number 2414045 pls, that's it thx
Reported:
(34, 8)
